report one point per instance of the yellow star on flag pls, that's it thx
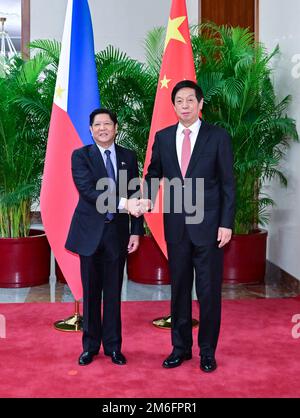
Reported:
(173, 31)
(59, 91)
(164, 82)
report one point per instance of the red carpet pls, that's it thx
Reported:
(257, 355)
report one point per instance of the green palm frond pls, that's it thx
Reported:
(50, 49)
(154, 47)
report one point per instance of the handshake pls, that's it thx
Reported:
(137, 207)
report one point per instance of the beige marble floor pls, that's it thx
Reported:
(277, 284)
(60, 292)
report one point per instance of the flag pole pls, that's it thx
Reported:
(74, 322)
(71, 324)
(165, 322)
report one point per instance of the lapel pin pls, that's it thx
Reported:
(123, 163)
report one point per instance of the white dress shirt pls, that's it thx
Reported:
(194, 128)
(113, 158)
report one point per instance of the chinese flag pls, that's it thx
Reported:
(177, 64)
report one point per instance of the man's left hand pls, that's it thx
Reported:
(133, 244)
(224, 236)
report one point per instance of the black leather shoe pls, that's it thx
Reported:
(208, 364)
(86, 358)
(117, 357)
(175, 360)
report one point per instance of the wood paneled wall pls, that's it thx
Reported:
(242, 13)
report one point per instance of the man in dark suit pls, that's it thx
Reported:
(100, 235)
(193, 150)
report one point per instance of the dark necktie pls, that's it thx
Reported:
(111, 174)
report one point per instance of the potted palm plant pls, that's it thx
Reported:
(24, 114)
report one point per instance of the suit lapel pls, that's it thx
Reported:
(97, 161)
(121, 165)
(173, 149)
(199, 145)
(118, 158)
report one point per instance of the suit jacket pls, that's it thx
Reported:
(212, 160)
(87, 223)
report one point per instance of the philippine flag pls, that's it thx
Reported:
(76, 96)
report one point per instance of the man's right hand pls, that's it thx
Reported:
(133, 207)
(145, 205)
(137, 207)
